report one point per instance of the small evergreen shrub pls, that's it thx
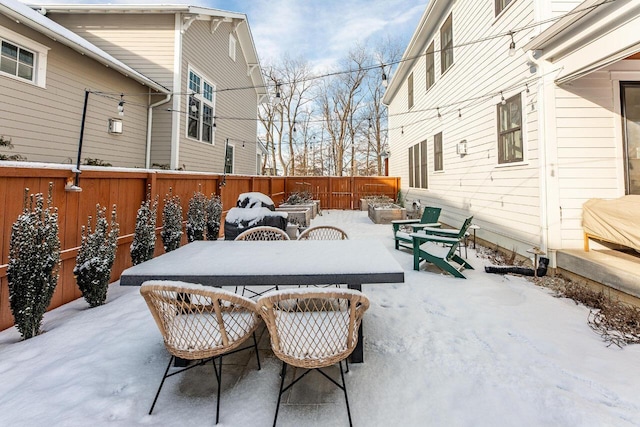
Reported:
(171, 222)
(34, 262)
(214, 216)
(96, 256)
(196, 220)
(144, 237)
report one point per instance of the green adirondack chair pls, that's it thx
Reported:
(402, 237)
(438, 247)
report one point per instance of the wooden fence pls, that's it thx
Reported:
(127, 189)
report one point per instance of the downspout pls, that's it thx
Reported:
(147, 163)
(542, 154)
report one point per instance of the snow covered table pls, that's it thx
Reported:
(269, 263)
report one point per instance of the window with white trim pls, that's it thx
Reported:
(228, 159)
(437, 152)
(22, 58)
(431, 69)
(232, 47)
(510, 144)
(201, 111)
(446, 45)
(501, 5)
(424, 175)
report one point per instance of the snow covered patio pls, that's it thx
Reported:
(439, 351)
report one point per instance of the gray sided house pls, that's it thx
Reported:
(207, 59)
(518, 112)
(45, 73)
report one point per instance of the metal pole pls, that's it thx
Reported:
(84, 117)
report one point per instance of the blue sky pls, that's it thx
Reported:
(321, 31)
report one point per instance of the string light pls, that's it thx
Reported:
(512, 45)
(459, 113)
(527, 86)
(121, 105)
(439, 115)
(385, 82)
(502, 100)
(277, 98)
(214, 121)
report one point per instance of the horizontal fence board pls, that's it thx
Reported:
(128, 188)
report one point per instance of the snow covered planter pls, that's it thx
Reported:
(96, 256)
(34, 262)
(253, 210)
(196, 220)
(385, 213)
(171, 222)
(144, 237)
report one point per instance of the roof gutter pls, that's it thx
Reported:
(150, 127)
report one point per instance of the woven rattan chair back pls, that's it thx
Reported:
(313, 328)
(263, 233)
(199, 322)
(323, 232)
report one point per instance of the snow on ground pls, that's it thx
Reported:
(439, 351)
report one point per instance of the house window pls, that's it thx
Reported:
(22, 58)
(423, 165)
(437, 152)
(201, 109)
(416, 162)
(446, 45)
(431, 73)
(228, 160)
(501, 5)
(410, 90)
(411, 166)
(232, 47)
(510, 147)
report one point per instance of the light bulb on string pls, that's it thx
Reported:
(121, 105)
(512, 45)
(384, 77)
(214, 121)
(502, 100)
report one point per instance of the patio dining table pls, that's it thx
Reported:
(268, 263)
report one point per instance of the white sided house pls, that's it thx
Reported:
(206, 59)
(46, 72)
(517, 112)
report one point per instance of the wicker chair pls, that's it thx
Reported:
(313, 329)
(323, 232)
(264, 232)
(200, 323)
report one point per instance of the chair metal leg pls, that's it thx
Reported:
(346, 399)
(164, 377)
(283, 373)
(255, 346)
(219, 379)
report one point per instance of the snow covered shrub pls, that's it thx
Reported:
(144, 237)
(196, 221)
(171, 222)
(214, 216)
(34, 262)
(96, 256)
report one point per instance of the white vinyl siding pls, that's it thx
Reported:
(473, 184)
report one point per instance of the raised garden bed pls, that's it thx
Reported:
(384, 214)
